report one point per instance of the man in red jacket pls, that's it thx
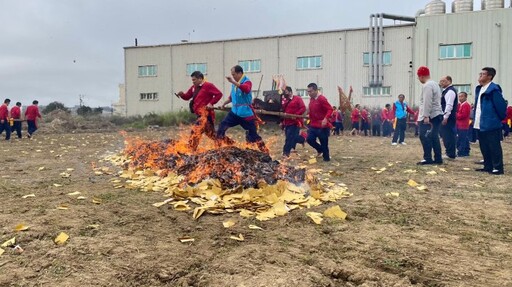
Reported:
(202, 95)
(292, 105)
(504, 123)
(463, 118)
(319, 126)
(355, 117)
(4, 119)
(31, 115)
(16, 116)
(365, 121)
(385, 116)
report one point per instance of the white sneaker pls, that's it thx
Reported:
(394, 144)
(403, 143)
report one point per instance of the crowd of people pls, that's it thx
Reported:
(443, 113)
(11, 119)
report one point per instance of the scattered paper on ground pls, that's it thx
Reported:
(412, 183)
(315, 216)
(239, 238)
(335, 212)
(29, 195)
(186, 239)
(10, 242)
(255, 227)
(228, 223)
(21, 227)
(395, 194)
(422, 188)
(61, 238)
(74, 193)
(1, 251)
(466, 168)
(312, 161)
(432, 172)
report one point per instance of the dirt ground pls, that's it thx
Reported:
(457, 233)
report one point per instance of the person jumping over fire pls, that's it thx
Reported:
(241, 112)
(202, 96)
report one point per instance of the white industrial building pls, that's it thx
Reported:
(458, 44)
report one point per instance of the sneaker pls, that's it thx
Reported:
(496, 172)
(394, 144)
(319, 154)
(425, 162)
(448, 157)
(403, 143)
(479, 162)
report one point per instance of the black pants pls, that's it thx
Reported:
(291, 138)
(430, 141)
(386, 128)
(449, 136)
(16, 127)
(401, 125)
(4, 126)
(376, 130)
(323, 137)
(490, 146)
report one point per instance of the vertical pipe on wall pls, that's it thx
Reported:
(370, 51)
(380, 54)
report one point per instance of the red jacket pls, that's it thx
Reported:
(319, 109)
(16, 112)
(462, 116)
(355, 116)
(385, 115)
(294, 106)
(208, 94)
(364, 116)
(32, 113)
(4, 112)
(509, 115)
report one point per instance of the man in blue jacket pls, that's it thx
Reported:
(490, 110)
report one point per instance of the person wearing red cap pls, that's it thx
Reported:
(430, 117)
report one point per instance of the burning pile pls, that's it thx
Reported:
(232, 166)
(225, 179)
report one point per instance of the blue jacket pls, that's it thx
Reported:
(241, 101)
(493, 109)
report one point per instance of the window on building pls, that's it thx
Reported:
(250, 66)
(458, 51)
(463, 88)
(149, 96)
(147, 71)
(377, 91)
(386, 58)
(305, 63)
(201, 67)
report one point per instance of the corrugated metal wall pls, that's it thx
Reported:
(488, 31)
(342, 59)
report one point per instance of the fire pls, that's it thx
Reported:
(232, 163)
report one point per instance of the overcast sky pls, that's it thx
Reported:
(56, 50)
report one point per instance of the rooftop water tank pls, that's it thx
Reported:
(435, 7)
(492, 4)
(462, 6)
